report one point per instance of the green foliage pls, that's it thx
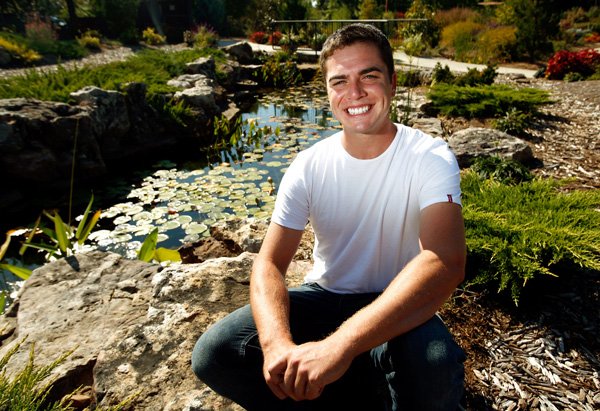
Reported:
(420, 9)
(505, 171)
(536, 23)
(202, 37)
(484, 101)
(280, 70)
(120, 17)
(151, 37)
(149, 251)
(153, 67)
(409, 78)
(413, 44)
(514, 122)
(18, 51)
(62, 239)
(472, 77)
(367, 10)
(519, 232)
(90, 41)
(25, 390)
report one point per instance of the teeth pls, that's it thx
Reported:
(358, 110)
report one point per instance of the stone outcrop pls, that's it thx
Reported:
(476, 142)
(131, 325)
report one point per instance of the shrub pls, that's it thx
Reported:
(584, 62)
(572, 77)
(497, 44)
(259, 37)
(205, 37)
(420, 9)
(89, 40)
(410, 78)
(592, 38)
(471, 78)
(120, 17)
(275, 37)
(280, 69)
(448, 17)
(19, 52)
(516, 233)
(40, 34)
(413, 45)
(153, 38)
(505, 171)
(462, 37)
(484, 101)
(514, 122)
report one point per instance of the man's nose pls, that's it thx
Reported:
(355, 90)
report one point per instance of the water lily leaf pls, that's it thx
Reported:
(196, 228)
(122, 220)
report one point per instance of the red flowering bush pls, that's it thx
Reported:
(259, 37)
(275, 37)
(584, 62)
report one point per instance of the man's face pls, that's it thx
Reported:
(359, 89)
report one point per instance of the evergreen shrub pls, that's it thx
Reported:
(19, 52)
(484, 101)
(520, 232)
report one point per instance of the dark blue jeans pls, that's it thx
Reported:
(419, 370)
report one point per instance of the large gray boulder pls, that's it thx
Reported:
(476, 142)
(131, 325)
(241, 52)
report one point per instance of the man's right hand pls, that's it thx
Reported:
(275, 365)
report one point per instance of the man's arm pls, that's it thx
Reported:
(269, 300)
(412, 298)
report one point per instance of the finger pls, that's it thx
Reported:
(289, 381)
(274, 382)
(300, 386)
(313, 391)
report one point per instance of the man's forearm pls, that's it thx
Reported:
(412, 298)
(269, 300)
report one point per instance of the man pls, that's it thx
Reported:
(384, 202)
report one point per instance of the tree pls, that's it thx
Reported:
(368, 9)
(536, 22)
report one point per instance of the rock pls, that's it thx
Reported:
(110, 110)
(131, 325)
(203, 65)
(241, 52)
(476, 142)
(199, 96)
(429, 125)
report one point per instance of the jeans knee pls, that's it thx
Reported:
(202, 357)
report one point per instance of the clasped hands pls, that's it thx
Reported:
(301, 372)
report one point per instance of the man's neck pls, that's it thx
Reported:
(368, 146)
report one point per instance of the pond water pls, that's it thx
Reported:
(239, 178)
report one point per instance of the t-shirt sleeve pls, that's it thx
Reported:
(292, 203)
(440, 177)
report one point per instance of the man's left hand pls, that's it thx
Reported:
(311, 366)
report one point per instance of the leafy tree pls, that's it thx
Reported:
(368, 9)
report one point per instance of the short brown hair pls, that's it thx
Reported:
(357, 33)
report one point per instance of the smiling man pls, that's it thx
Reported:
(362, 332)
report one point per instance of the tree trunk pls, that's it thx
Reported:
(73, 24)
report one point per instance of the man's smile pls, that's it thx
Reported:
(354, 111)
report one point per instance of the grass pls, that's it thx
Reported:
(518, 232)
(153, 67)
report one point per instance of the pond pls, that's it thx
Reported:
(236, 178)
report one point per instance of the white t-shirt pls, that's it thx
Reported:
(365, 213)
